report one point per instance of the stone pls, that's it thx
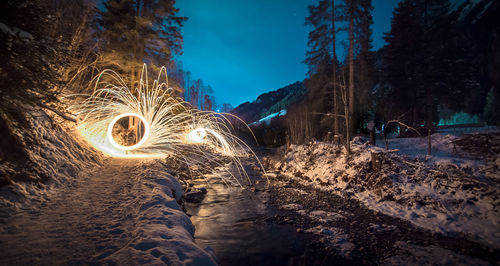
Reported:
(195, 196)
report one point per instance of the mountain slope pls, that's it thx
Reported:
(270, 102)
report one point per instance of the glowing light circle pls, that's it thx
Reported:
(196, 135)
(147, 131)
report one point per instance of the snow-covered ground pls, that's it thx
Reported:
(409, 254)
(55, 153)
(450, 192)
(92, 209)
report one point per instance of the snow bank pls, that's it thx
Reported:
(163, 232)
(448, 194)
(61, 172)
(53, 155)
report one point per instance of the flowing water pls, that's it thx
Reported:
(232, 222)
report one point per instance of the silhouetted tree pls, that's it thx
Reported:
(134, 31)
(324, 66)
(45, 50)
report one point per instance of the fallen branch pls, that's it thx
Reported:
(401, 124)
(57, 112)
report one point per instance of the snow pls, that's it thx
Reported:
(26, 36)
(163, 233)
(93, 210)
(5, 29)
(268, 118)
(61, 155)
(336, 237)
(324, 217)
(445, 193)
(316, 215)
(292, 207)
(486, 7)
(469, 6)
(411, 254)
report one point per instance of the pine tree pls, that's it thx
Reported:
(402, 51)
(324, 65)
(421, 62)
(194, 93)
(364, 65)
(117, 33)
(207, 103)
(226, 108)
(138, 31)
(135, 31)
(334, 72)
(350, 101)
(36, 42)
(318, 60)
(320, 37)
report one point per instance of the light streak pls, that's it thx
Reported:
(172, 127)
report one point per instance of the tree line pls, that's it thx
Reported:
(55, 47)
(436, 61)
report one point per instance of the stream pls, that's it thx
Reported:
(232, 222)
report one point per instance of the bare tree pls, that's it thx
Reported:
(350, 102)
(347, 116)
(334, 72)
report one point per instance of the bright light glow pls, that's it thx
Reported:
(147, 131)
(226, 149)
(196, 135)
(172, 127)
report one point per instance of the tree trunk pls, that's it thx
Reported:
(429, 142)
(428, 90)
(372, 136)
(348, 134)
(376, 161)
(350, 129)
(334, 70)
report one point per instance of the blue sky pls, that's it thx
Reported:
(245, 48)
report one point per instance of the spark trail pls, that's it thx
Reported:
(172, 127)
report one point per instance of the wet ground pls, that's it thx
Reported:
(234, 223)
(287, 223)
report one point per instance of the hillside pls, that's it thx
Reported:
(270, 102)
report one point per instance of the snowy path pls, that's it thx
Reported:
(119, 213)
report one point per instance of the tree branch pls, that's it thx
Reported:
(327, 114)
(57, 112)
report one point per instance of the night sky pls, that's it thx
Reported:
(245, 48)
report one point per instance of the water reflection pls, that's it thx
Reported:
(231, 221)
